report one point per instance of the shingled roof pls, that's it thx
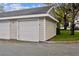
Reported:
(39, 10)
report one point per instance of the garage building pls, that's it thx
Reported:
(35, 24)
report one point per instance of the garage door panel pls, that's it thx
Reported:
(28, 30)
(5, 30)
(14, 29)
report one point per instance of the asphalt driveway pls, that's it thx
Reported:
(38, 49)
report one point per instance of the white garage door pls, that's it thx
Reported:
(4, 30)
(14, 29)
(29, 30)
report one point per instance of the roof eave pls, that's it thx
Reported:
(50, 15)
(53, 18)
(23, 16)
(29, 16)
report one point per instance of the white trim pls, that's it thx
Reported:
(50, 15)
(39, 29)
(44, 29)
(50, 9)
(28, 16)
(17, 30)
(24, 16)
(53, 18)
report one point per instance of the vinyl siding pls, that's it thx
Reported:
(47, 28)
(41, 29)
(50, 28)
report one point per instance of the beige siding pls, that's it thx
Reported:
(47, 28)
(50, 28)
(41, 29)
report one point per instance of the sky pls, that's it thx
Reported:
(19, 6)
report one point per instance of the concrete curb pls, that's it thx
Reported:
(59, 42)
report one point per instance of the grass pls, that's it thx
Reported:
(65, 36)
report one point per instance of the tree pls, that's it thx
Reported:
(58, 24)
(66, 11)
(62, 12)
(73, 12)
(64, 8)
(57, 16)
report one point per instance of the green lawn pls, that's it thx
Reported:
(65, 36)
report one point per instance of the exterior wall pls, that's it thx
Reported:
(41, 29)
(28, 29)
(32, 29)
(4, 29)
(50, 28)
(47, 28)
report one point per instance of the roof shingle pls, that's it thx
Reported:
(40, 10)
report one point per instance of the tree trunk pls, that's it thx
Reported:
(65, 23)
(72, 24)
(72, 28)
(58, 29)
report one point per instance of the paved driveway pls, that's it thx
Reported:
(37, 49)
